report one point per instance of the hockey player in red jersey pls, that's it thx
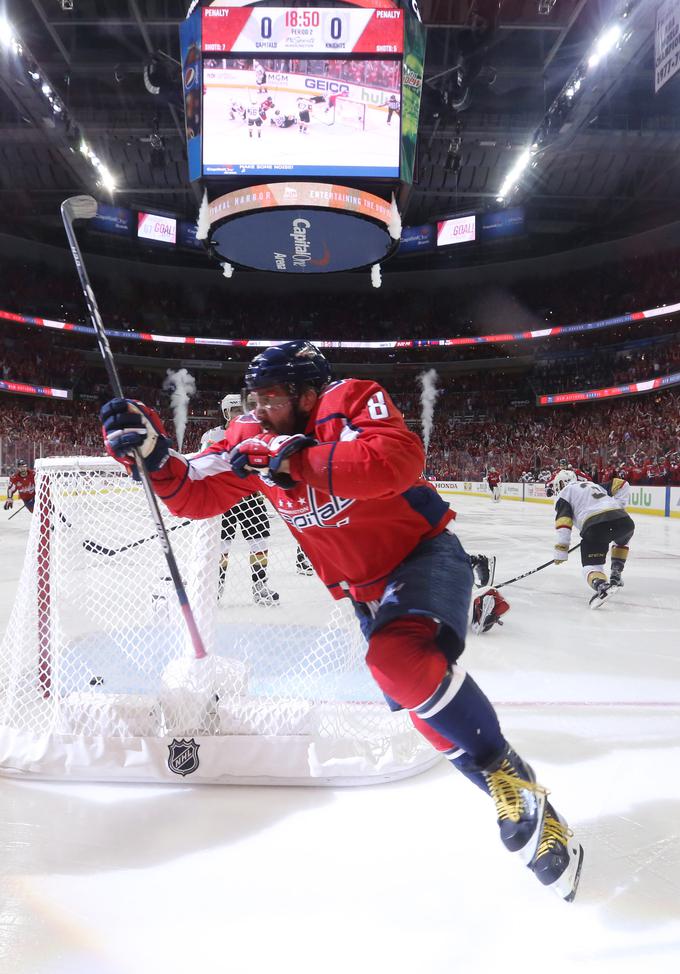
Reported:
(493, 479)
(22, 482)
(343, 470)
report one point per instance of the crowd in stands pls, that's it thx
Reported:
(485, 415)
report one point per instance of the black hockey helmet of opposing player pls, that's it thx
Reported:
(295, 364)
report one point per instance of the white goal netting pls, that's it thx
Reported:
(97, 676)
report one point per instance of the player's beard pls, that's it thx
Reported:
(295, 422)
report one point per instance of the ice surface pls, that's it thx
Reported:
(403, 877)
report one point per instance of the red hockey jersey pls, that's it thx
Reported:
(362, 504)
(23, 486)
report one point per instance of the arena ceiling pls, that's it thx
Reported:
(605, 162)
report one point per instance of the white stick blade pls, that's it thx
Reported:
(80, 207)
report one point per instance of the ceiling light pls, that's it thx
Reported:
(108, 182)
(6, 33)
(604, 44)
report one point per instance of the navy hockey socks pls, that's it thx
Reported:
(459, 711)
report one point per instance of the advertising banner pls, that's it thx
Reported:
(28, 389)
(411, 91)
(666, 42)
(505, 223)
(113, 219)
(630, 389)
(673, 504)
(647, 500)
(190, 52)
(417, 239)
(535, 492)
(512, 492)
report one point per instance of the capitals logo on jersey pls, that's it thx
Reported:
(311, 512)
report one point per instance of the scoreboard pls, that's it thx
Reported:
(302, 127)
(310, 30)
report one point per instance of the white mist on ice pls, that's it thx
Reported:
(428, 396)
(181, 386)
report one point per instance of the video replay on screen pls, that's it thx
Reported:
(301, 116)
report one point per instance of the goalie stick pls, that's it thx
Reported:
(534, 570)
(22, 508)
(100, 549)
(85, 208)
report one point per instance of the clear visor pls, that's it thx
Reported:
(270, 400)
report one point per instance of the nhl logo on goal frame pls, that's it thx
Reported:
(183, 756)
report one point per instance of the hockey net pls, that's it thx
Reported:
(96, 672)
(350, 113)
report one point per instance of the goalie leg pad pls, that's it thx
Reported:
(487, 610)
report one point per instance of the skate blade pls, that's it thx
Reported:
(492, 569)
(598, 600)
(566, 886)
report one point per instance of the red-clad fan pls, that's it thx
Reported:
(674, 466)
(22, 482)
(344, 472)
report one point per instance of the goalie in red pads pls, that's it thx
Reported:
(22, 482)
(344, 472)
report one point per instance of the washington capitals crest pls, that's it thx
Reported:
(183, 756)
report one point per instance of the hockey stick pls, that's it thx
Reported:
(85, 208)
(100, 549)
(534, 570)
(22, 508)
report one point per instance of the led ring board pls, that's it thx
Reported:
(276, 96)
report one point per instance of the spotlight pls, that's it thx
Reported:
(66, 5)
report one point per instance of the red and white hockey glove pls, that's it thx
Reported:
(127, 425)
(265, 455)
(487, 610)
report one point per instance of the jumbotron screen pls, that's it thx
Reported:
(301, 116)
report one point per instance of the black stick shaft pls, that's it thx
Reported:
(22, 508)
(85, 208)
(534, 570)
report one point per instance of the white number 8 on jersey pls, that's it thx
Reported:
(377, 407)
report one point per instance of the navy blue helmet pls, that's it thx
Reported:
(295, 363)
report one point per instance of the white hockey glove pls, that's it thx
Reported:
(561, 553)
